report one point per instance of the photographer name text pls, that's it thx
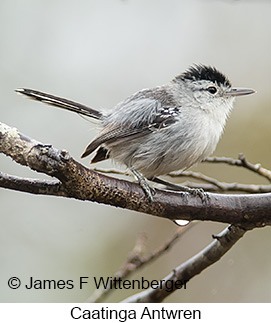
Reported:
(98, 282)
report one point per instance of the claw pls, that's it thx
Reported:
(200, 193)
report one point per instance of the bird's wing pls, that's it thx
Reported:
(114, 134)
(126, 123)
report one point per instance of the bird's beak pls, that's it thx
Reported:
(239, 91)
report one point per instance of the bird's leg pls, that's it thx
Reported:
(177, 187)
(148, 190)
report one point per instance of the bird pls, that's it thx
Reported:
(161, 129)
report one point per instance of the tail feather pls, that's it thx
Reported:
(61, 103)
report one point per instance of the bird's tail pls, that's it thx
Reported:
(61, 103)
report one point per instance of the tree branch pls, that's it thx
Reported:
(137, 259)
(242, 162)
(192, 267)
(217, 186)
(34, 186)
(81, 183)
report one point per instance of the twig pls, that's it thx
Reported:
(242, 162)
(217, 186)
(198, 176)
(136, 260)
(192, 267)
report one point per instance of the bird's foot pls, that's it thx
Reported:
(148, 190)
(194, 191)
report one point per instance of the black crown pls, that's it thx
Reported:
(203, 72)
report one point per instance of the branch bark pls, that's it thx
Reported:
(77, 181)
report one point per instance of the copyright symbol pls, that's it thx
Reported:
(14, 282)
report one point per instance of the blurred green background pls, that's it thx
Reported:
(98, 53)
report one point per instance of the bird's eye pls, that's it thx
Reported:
(212, 89)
